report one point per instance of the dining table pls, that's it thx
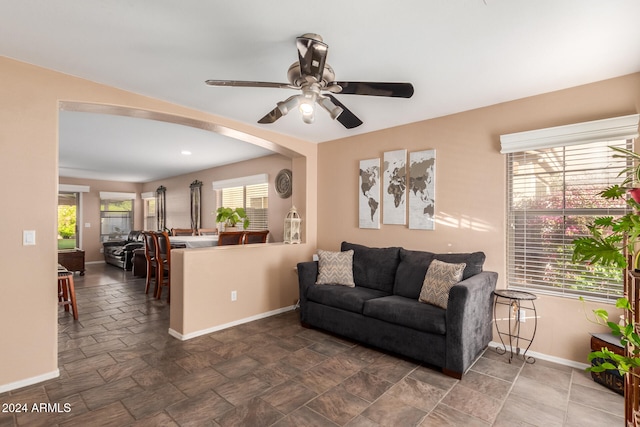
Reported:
(195, 241)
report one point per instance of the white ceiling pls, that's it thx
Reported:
(459, 55)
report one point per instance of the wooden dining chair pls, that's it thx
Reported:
(150, 251)
(255, 236)
(207, 231)
(230, 238)
(163, 270)
(183, 232)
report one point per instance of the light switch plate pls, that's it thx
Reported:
(28, 237)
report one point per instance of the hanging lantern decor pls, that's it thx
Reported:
(292, 226)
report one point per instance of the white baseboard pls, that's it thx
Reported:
(29, 381)
(542, 356)
(195, 334)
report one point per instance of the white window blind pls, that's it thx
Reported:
(256, 205)
(553, 196)
(254, 199)
(554, 176)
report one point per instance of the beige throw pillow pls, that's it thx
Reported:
(335, 268)
(440, 277)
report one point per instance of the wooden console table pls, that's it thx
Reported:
(72, 259)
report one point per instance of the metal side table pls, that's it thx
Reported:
(516, 300)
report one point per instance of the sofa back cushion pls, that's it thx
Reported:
(414, 265)
(374, 268)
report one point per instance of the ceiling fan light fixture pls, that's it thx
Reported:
(333, 110)
(288, 104)
(306, 108)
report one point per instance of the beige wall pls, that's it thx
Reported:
(29, 102)
(470, 188)
(178, 207)
(269, 284)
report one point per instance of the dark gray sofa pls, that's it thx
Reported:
(383, 310)
(120, 252)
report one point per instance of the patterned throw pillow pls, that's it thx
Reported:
(440, 277)
(335, 268)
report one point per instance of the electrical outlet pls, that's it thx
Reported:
(522, 316)
(234, 295)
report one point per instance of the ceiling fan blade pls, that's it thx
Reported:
(347, 118)
(240, 83)
(282, 108)
(396, 90)
(312, 54)
(271, 116)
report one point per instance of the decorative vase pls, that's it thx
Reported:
(635, 194)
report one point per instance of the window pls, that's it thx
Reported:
(67, 220)
(149, 206)
(70, 215)
(254, 199)
(250, 193)
(116, 215)
(552, 195)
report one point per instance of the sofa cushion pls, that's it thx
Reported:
(407, 312)
(374, 268)
(335, 268)
(411, 271)
(414, 264)
(350, 299)
(474, 262)
(440, 277)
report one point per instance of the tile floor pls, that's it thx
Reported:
(118, 366)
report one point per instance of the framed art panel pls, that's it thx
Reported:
(422, 174)
(369, 194)
(394, 187)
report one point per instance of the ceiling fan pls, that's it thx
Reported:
(315, 78)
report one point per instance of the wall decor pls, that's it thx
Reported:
(369, 194)
(422, 175)
(284, 183)
(161, 208)
(394, 186)
(196, 208)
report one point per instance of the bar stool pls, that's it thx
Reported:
(66, 291)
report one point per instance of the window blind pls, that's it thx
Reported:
(552, 197)
(254, 199)
(256, 205)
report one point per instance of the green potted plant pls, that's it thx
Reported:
(631, 183)
(605, 246)
(230, 217)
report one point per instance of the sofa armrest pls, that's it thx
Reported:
(469, 320)
(129, 247)
(307, 276)
(110, 243)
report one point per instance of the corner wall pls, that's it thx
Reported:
(470, 189)
(29, 103)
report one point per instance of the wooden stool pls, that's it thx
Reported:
(66, 291)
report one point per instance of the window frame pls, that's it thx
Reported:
(111, 197)
(563, 137)
(257, 220)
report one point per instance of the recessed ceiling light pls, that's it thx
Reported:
(185, 152)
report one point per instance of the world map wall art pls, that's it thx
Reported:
(422, 200)
(369, 191)
(398, 187)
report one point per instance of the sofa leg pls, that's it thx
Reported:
(453, 374)
(305, 325)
